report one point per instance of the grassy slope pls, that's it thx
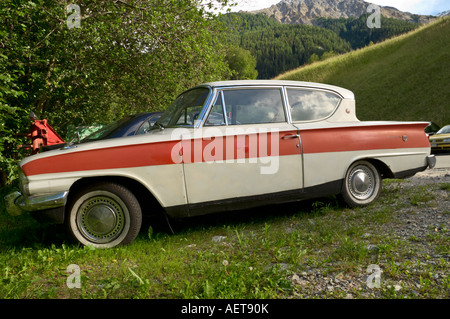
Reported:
(405, 78)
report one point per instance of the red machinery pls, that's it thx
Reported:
(41, 135)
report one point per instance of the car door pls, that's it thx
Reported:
(309, 108)
(245, 152)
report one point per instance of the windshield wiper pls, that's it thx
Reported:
(76, 140)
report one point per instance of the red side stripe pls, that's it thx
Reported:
(221, 148)
(107, 158)
(364, 138)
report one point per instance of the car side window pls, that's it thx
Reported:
(309, 105)
(252, 106)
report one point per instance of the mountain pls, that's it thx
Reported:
(403, 78)
(444, 14)
(306, 11)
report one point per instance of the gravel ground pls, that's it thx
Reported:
(419, 220)
(416, 228)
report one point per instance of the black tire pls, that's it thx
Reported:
(362, 184)
(104, 215)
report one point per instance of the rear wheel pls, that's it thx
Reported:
(104, 215)
(362, 184)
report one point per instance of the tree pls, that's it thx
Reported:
(119, 57)
(242, 64)
(313, 58)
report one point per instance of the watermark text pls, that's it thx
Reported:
(235, 145)
(74, 16)
(374, 20)
(74, 278)
(374, 279)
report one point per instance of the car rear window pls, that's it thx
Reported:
(309, 105)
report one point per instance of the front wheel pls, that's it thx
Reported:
(104, 215)
(362, 184)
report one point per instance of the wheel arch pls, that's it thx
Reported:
(383, 168)
(148, 202)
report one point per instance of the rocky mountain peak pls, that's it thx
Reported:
(306, 11)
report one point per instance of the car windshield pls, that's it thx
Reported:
(185, 110)
(444, 130)
(106, 131)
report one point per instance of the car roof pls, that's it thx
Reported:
(347, 94)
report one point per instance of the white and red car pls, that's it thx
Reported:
(221, 146)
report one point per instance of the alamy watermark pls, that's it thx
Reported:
(374, 20)
(74, 278)
(374, 279)
(74, 16)
(234, 145)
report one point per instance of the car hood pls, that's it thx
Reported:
(155, 136)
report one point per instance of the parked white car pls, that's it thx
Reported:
(221, 146)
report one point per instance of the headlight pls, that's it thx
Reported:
(23, 182)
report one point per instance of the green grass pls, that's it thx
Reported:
(405, 78)
(260, 252)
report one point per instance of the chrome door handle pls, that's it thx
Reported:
(290, 136)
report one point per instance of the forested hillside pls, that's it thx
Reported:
(281, 47)
(356, 32)
(405, 78)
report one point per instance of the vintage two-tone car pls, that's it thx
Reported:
(221, 146)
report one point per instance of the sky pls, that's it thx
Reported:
(424, 7)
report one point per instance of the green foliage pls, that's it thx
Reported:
(313, 58)
(242, 64)
(125, 57)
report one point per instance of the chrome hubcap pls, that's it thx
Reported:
(361, 183)
(101, 219)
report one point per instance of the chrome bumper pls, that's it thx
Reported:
(16, 202)
(431, 160)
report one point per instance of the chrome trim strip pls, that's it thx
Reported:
(206, 107)
(287, 109)
(224, 108)
(302, 156)
(290, 136)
